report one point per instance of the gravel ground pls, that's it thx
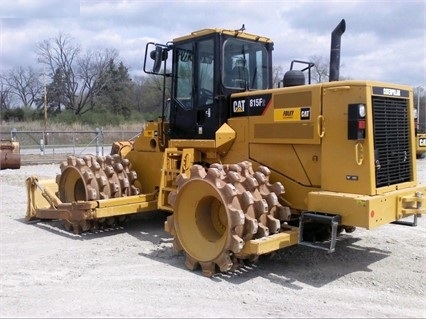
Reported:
(134, 271)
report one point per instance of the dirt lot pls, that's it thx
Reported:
(134, 271)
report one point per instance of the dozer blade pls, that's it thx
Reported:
(40, 196)
(44, 204)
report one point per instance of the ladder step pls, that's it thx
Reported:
(174, 154)
(170, 189)
(171, 170)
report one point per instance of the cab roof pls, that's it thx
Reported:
(234, 33)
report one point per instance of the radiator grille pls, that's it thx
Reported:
(391, 141)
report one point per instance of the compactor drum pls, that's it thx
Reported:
(216, 210)
(10, 156)
(84, 181)
(95, 177)
(245, 169)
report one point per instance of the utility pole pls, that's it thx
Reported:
(43, 141)
(45, 101)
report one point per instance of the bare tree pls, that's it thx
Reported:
(277, 75)
(5, 95)
(138, 92)
(153, 93)
(58, 55)
(24, 84)
(320, 71)
(82, 77)
(93, 76)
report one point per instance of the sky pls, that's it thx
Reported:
(385, 40)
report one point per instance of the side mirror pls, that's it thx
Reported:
(158, 55)
(155, 54)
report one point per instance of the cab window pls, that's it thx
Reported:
(245, 65)
(184, 77)
(205, 72)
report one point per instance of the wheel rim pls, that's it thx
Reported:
(202, 221)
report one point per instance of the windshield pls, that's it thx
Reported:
(245, 65)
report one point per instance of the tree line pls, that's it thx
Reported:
(95, 87)
(76, 85)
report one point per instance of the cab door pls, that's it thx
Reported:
(195, 110)
(206, 104)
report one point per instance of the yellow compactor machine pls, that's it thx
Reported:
(421, 145)
(245, 169)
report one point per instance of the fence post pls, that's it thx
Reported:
(97, 141)
(13, 134)
(73, 143)
(42, 144)
(102, 144)
(52, 143)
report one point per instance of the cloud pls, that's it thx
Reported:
(44, 9)
(384, 40)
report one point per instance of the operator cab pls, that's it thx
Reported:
(207, 67)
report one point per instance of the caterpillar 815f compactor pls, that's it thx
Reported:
(243, 168)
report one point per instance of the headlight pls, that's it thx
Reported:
(361, 110)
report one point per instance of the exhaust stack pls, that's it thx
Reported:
(336, 35)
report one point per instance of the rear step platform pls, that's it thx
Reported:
(407, 223)
(332, 220)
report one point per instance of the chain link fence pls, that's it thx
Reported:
(55, 146)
